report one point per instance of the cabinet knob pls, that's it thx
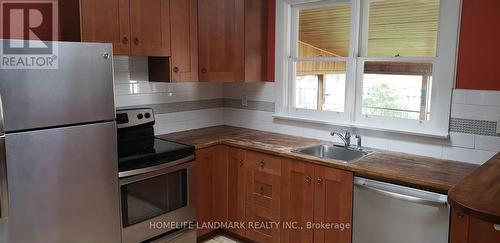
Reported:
(308, 179)
(125, 40)
(136, 41)
(262, 164)
(176, 69)
(319, 181)
(203, 70)
(242, 162)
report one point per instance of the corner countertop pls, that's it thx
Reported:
(478, 194)
(426, 173)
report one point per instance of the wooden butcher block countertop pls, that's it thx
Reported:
(479, 193)
(416, 171)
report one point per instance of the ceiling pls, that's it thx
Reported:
(404, 27)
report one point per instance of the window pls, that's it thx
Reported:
(372, 63)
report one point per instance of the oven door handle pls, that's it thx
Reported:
(154, 168)
(127, 177)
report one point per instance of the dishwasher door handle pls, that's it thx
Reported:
(385, 190)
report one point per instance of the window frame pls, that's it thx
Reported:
(443, 75)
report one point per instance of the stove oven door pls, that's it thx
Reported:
(157, 202)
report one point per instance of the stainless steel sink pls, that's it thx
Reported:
(335, 152)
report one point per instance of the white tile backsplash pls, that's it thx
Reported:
(475, 105)
(133, 88)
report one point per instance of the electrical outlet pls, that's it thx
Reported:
(244, 101)
(498, 125)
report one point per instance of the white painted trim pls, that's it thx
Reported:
(430, 134)
(444, 66)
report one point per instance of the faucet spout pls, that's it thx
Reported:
(345, 138)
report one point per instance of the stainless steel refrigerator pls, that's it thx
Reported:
(58, 158)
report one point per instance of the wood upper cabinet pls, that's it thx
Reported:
(321, 195)
(236, 39)
(106, 21)
(221, 40)
(467, 229)
(184, 40)
(135, 27)
(150, 27)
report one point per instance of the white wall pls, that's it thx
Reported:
(133, 89)
(475, 105)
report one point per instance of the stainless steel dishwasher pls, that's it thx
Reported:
(388, 213)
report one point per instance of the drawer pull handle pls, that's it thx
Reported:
(262, 190)
(319, 181)
(242, 162)
(308, 179)
(262, 164)
(496, 227)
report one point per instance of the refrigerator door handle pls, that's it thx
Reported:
(4, 198)
(383, 189)
(4, 192)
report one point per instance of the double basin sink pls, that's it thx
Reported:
(334, 152)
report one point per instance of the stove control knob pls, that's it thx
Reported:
(147, 115)
(140, 116)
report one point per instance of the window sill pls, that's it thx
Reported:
(439, 135)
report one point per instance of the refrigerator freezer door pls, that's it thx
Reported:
(79, 91)
(63, 185)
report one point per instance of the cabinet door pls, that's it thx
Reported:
(256, 32)
(459, 227)
(482, 231)
(263, 194)
(150, 27)
(106, 21)
(332, 204)
(184, 40)
(212, 185)
(238, 168)
(221, 26)
(301, 202)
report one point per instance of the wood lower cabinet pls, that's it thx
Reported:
(211, 186)
(264, 196)
(332, 204)
(278, 199)
(320, 197)
(238, 170)
(467, 229)
(301, 197)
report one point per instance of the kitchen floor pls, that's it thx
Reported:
(221, 239)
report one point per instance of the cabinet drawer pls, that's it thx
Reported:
(261, 224)
(264, 189)
(264, 162)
